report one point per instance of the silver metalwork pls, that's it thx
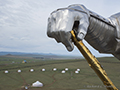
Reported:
(102, 34)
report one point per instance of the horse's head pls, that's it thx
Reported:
(62, 21)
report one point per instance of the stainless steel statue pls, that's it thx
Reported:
(102, 34)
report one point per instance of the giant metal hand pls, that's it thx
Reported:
(102, 34)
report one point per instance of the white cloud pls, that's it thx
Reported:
(23, 23)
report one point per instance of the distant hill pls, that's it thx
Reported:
(38, 55)
(11, 53)
(22, 53)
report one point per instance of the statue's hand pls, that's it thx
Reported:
(61, 22)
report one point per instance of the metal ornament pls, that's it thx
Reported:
(102, 34)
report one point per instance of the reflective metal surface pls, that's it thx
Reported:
(102, 34)
(93, 63)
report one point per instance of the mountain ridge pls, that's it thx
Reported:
(37, 55)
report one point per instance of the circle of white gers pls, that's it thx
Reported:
(54, 69)
(31, 70)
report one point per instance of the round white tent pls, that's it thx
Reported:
(19, 71)
(76, 71)
(37, 84)
(54, 69)
(31, 70)
(66, 69)
(6, 71)
(63, 71)
(43, 69)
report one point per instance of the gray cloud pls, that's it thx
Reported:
(23, 23)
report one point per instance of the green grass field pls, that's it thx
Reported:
(55, 80)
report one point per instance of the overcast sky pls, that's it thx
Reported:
(23, 24)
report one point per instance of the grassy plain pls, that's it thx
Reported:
(55, 80)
